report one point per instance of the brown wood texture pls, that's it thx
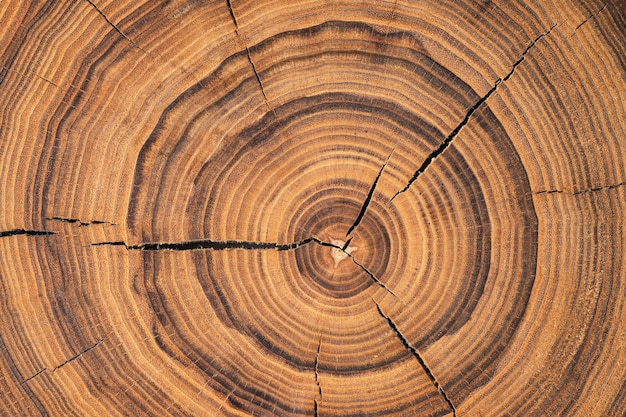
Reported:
(312, 208)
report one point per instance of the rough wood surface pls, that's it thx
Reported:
(316, 208)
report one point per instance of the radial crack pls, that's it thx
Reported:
(318, 398)
(588, 19)
(82, 352)
(418, 356)
(448, 140)
(232, 15)
(256, 73)
(210, 244)
(258, 78)
(26, 232)
(34, 375)
(368, 199)
(114, 26)
(372, 276)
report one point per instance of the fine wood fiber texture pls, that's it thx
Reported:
(312, 208)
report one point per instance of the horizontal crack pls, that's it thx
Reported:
(80, 222)
(583, 191)
(448, 140)
(368, 199)
(82, 352)
(213, 245)
(26, 232)
(605, 187)
(417, 355)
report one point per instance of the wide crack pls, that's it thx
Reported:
(418, 356)
(368, 199)
(448, 140)
(15, 232)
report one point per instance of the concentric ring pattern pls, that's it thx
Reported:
(295, 208)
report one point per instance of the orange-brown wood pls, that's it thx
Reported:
(313, 208)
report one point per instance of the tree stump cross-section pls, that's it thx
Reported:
(312, 208)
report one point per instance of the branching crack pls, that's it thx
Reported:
(589, 18)
(34, 375)
(418, 356)
(114, 26)
(448, 140)
(318, 399)
(82, 352)
(368, 199)
(256, 73)
(213, 245)
(26, 232)
(78, 221)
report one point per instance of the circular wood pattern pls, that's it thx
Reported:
(312, 208)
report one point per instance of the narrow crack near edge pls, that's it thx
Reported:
(606, 187)
(114, 26)
(15, 232)
(448, 140)
(82, 352)
(582, 191)
(417, 355)
(317, 381)
(370, 194)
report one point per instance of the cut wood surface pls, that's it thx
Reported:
(312, 208)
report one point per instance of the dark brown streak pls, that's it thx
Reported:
(448, 140)
(417, 355)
